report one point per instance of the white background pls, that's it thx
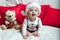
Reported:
(53, 3)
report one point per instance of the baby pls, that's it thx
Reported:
(32, 24)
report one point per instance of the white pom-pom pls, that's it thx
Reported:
(23, 13)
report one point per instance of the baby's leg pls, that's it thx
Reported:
(29, 34)
(36, 34)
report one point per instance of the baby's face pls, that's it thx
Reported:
(33, 12)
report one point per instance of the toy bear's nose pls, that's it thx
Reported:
(9, 16)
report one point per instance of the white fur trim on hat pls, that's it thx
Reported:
(32, 5)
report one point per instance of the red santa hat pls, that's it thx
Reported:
(33, 4)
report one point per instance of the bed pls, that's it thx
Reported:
(48, 33)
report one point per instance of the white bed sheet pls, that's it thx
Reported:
(48, 33)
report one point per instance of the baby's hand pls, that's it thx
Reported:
(15, 22)
(25, 37)
(36, 34)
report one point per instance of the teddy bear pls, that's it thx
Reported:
(10, 20)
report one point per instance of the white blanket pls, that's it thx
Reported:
(48, 33)
(10, 34)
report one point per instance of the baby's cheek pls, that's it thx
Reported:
(30, 11)
(36, 12)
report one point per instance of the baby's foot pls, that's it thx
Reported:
(36, 34)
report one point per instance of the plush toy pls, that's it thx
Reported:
(10, 21)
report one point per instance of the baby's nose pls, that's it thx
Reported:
(33, 11)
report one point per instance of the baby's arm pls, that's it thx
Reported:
(24, 31)
(40, 26)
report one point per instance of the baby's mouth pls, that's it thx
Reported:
(33, 14)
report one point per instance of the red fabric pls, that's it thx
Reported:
(19, 17)
(49, 16)
(10, 26)
(52, 17)
(23, 6)
(43, 11)
(4, 9)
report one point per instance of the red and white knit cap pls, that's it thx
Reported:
(33, 4)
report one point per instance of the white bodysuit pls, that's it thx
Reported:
(29, 23)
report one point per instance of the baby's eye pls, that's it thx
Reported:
(31, 10)
(36, 10)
